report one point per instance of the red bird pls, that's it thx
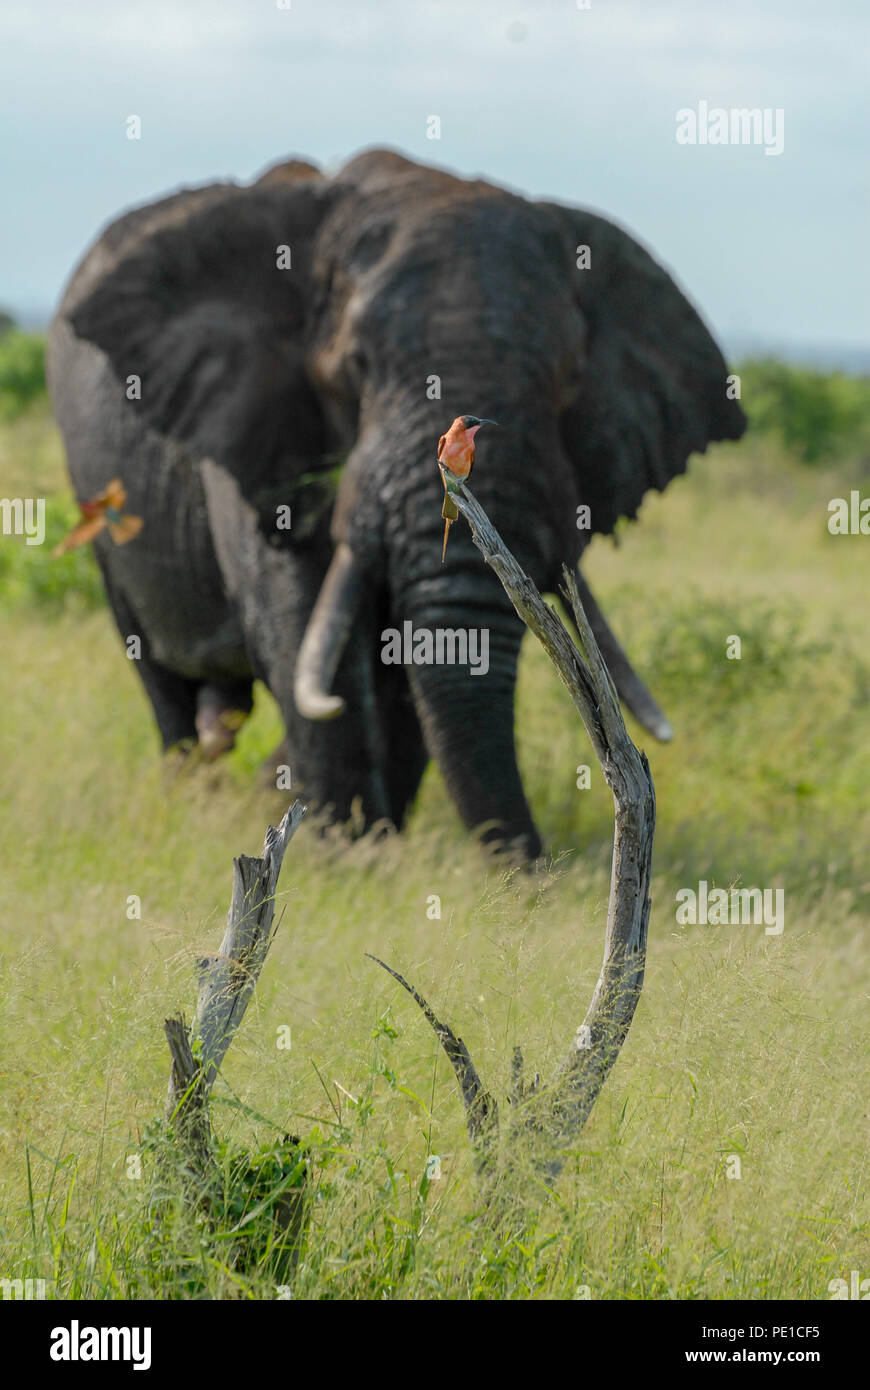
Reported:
(97, 514)
(456, 457)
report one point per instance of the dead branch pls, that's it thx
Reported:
(186, 1108)
(561, 1109)
(226, 982)
(481, 1110)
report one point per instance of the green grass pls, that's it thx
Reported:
(743, 1045)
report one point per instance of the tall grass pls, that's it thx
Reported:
(745, 1046)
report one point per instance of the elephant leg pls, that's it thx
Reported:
(337, 767)
(221, 709)
(402, 748)
(405, 755)
(173, 697)
(468, 723)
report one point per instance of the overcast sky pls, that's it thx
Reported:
(575, 104)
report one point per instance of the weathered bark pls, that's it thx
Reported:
(187, 1114)
(227, 980)
(480, 1109)
(560, 1110)
(226, 983)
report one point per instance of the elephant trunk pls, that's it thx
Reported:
(470, 733)
(326, 637)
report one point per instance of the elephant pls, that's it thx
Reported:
(268, 367)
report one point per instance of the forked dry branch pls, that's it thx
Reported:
(555, 1113)
(226, 983)
(558, 1112)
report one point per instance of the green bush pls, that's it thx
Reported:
(820, 416)
(32, 575)
(22, 372)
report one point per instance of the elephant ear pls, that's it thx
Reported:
(653, 387)
(205, 303)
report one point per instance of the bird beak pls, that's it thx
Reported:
(487, 422)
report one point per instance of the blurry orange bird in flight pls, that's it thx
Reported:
(105, 510)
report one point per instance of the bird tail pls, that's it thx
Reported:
(447, 526)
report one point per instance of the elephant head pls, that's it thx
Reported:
(281, 327)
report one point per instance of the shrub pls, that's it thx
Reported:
(31, 575)
(820, 416)
(22, 371)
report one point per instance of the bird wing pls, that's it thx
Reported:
(80, 535)
(125, 529)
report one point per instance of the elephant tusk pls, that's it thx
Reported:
(629, 686)
(326, 637)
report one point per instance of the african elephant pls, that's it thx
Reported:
(303, 342)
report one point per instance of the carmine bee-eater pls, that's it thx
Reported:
(456, 457)
(100, 512)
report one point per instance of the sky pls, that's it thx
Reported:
(543, 96)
